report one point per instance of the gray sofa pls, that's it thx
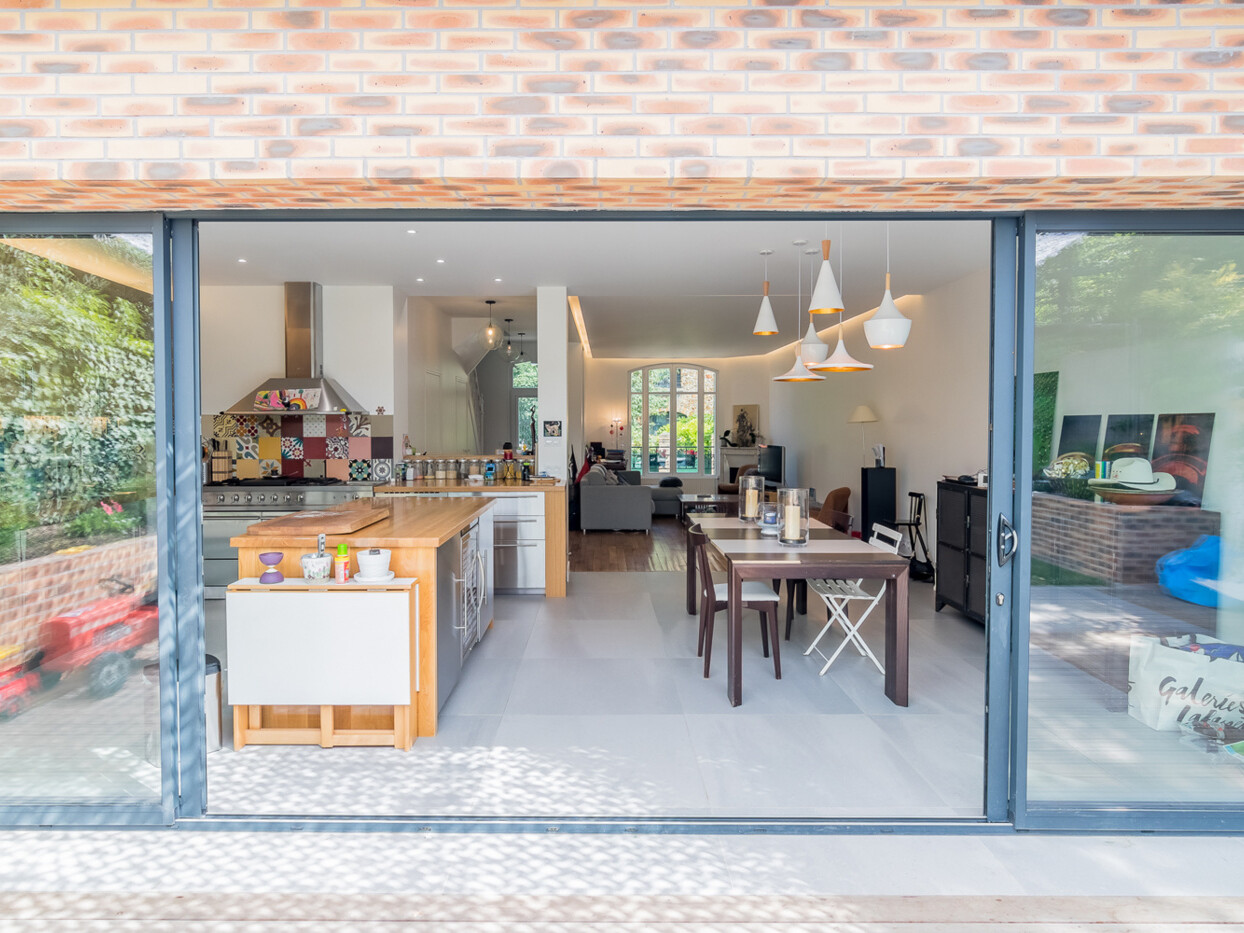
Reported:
(607, 507)
(665, 499)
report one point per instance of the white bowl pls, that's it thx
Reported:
(316, 566)
(373, 562)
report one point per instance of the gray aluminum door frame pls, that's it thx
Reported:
(123, 813)
(1120, 816)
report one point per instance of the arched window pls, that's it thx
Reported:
(673, 415)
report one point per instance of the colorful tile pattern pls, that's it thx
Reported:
(360, 470)
(338, 448)
(283, 444)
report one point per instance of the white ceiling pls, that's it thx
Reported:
(646, 287)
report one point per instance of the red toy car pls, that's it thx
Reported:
(101, 637)
(17, 683)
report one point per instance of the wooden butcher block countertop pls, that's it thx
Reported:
(412, 523)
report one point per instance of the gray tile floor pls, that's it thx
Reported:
(596, 705)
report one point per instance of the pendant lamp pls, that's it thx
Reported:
(840, 361)
(492, 333)
(520, 358)
(826, 298)
(799, 372)
(812, 349)
(766, 323)
(509, 344)
(887, 329)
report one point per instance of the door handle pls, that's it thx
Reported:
(1008, 540)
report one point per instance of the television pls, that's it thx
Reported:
(771, 464)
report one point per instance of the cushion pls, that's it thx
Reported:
(671, 481)
(600, 475)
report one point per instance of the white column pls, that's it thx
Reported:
(552, 339)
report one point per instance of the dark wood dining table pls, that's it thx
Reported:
(829, 554)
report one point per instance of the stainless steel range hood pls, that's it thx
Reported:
(304, 382)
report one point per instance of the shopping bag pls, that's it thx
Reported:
(1168, 684)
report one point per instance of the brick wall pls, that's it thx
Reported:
(135, 104)
(36, 590)
(1117, 543)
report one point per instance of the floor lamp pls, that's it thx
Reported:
(862, 415)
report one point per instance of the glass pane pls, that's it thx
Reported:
(710, 428)
(710, 381)
(526, 415)
(637, 380)
(1136, 575)
(637, 458)
(526, 375)
(658, 433)
(688, 433)
(79, 702)
(658, 380)
(688, 379)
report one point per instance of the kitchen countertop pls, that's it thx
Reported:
(412, 523)
(446, 485)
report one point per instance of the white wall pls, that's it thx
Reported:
(436, 384)
(931, 398)
(242, 342)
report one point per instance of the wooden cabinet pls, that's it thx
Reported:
(962, 548)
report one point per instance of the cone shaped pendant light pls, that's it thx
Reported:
(812, 347)
(887, 329)
(826, 298)
(799, 372)
(766, 323)
(840, 361)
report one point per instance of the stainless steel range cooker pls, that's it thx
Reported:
(232, 505)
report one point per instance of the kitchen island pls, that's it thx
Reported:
(531, 550)
(421, 534)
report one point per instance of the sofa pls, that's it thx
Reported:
(665, 497)
(614, 506)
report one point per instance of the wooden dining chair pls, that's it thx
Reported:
(714, 597)
(839, 594)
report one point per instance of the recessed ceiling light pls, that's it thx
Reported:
(418, 280)
(496, 280)
(440, 260)
(241, 260)
(410, 231)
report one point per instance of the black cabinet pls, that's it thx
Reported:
(962, 548)
(877, 498)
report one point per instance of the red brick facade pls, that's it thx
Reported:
(138, 104)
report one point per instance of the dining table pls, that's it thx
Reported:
(828, 554)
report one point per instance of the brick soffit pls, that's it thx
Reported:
(621, 194)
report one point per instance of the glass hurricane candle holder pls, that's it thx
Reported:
(793, 514)
(751, 495)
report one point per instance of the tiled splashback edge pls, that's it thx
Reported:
(356, 448)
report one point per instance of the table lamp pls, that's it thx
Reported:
(862, 415)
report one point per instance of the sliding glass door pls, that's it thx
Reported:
(1134, 483)
(82, 482)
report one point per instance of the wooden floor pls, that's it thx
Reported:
(664, 548)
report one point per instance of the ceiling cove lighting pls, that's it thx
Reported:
(492, 333)
(799, 372)
(812, 348)
(887, 329)
(576, 313)
(840, 361)
(826, 298)
(766, 323)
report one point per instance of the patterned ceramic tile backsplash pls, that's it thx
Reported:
(348, 447)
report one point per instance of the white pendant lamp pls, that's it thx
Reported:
(812, 348)
(887, 329)
(799, 372)
(826, 298)
(840, 361)
(492, 333)
(766, 323)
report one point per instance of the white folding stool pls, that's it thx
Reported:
(838, 594)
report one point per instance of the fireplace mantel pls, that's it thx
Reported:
(735, 457)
